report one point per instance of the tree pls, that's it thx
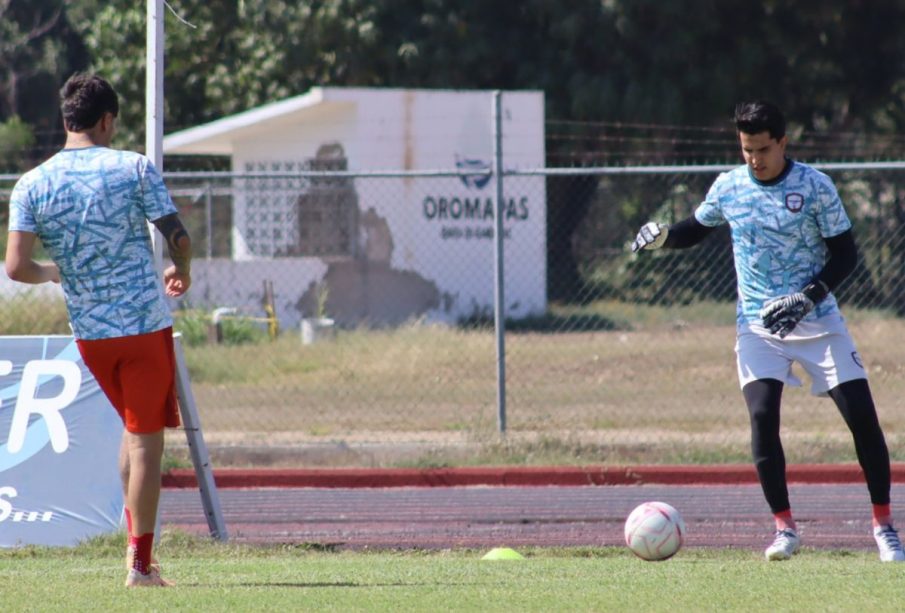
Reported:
(38, 50)
(232, 57)
(16, 137)
(659, 65)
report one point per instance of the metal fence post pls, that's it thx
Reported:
(499, 304)
(209, 220)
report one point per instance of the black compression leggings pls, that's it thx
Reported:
(854, 401)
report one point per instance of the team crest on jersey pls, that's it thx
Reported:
(794, 202)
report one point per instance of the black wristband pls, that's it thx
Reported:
(816, 291)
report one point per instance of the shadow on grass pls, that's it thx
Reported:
(311, 584)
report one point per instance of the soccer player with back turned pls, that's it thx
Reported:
(793, 244)
(90, 206)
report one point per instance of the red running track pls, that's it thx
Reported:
(724, 474)
(830, 515)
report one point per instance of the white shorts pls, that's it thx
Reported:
(823, 347)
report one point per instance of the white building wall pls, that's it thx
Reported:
(434, 237)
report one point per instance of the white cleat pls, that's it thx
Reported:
(150, 579)
(785, 544)
(889, 544)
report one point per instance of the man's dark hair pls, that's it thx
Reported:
(85, 100)
(760, 116)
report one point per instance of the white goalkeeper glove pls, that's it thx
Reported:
(651, 236)
(781, 315)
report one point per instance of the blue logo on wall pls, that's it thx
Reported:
(481, 169)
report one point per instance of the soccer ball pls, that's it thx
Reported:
(654, 531)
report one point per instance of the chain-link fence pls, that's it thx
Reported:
(609, 356)
(641, 364)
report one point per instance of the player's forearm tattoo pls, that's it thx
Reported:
(178, 242)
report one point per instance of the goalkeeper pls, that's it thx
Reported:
(792, 242)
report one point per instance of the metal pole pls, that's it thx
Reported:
(154, 151)
(209, 221)
(204, 472)
(154, 122)
(499, 303)
(154, 104)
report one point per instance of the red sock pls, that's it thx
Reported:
(142, 545)
(784, 520)
(128, 521)
(882, 515)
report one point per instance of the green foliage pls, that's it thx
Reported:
(621, 60)
(238, 56)
(194, 324)
(38, 51)
(634, 62)
(16, 137)
(115, 32)
(242, 331)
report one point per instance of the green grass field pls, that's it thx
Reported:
(213, 577)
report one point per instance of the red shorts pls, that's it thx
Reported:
(138, 375)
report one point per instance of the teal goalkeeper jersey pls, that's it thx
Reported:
(778, 230)
(90, 207)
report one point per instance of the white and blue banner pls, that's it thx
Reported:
(59, 445)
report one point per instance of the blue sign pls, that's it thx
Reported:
(59, 445)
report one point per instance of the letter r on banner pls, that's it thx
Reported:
(48, 408)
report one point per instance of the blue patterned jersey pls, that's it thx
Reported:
(90, 208)
(778, 230)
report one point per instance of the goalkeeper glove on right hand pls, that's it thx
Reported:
(781, 315)
(651, 236)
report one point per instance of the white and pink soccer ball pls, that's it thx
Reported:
(654, 531)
